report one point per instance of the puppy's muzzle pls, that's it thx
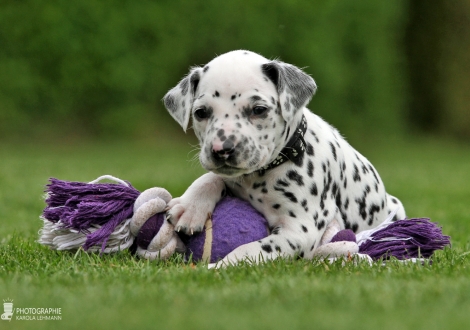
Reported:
(222, 151)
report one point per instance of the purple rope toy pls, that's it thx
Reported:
(413, 238)
(101, 210)
(79, 206)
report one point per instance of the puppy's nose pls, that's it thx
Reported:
(223, 150)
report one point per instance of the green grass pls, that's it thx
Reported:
(119, 291)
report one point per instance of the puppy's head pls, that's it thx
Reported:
(244, 109)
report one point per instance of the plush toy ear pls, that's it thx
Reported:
(295, 87)
(180, 98)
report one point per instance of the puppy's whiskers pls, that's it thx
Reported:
(194, 159)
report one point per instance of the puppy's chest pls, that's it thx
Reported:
(273, 195)
(255, 190)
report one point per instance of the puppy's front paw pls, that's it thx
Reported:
(190, 212)
(189, 215)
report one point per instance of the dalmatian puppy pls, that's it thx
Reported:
(259, 142)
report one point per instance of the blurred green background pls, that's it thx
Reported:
(98, 69)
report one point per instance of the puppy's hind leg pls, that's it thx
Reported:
(393, 204)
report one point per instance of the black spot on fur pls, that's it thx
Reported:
(296, 177)
(309, 149)
(321, 224)
(304, 205)
(314, 135)
(234, 96)
(364, 169)
(374, 208)
(333, 151)
(374, 173)
(184, 85)
(170, 103)
(267, 248)
(310, 168)
(338, 200)
(361, 203)
(326, 188)
(356, 176)
(217, 94)
(292, 214)
(276, 206)
(290, 196)
(299, 160)
(304, 229)
(313, 246)
(292, 246)
(205, 68)
(255, 98)
(283, 183)
(355, 227)
(277, 248)
(314, 189)
(334, 189)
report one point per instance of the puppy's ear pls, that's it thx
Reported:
(180, 98)
(295, 87)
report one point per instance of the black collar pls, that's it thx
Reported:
(294, 149)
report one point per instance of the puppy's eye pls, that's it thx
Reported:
(201, 113)
(259, 110)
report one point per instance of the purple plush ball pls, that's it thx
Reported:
(344, 235)
(234, 222)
